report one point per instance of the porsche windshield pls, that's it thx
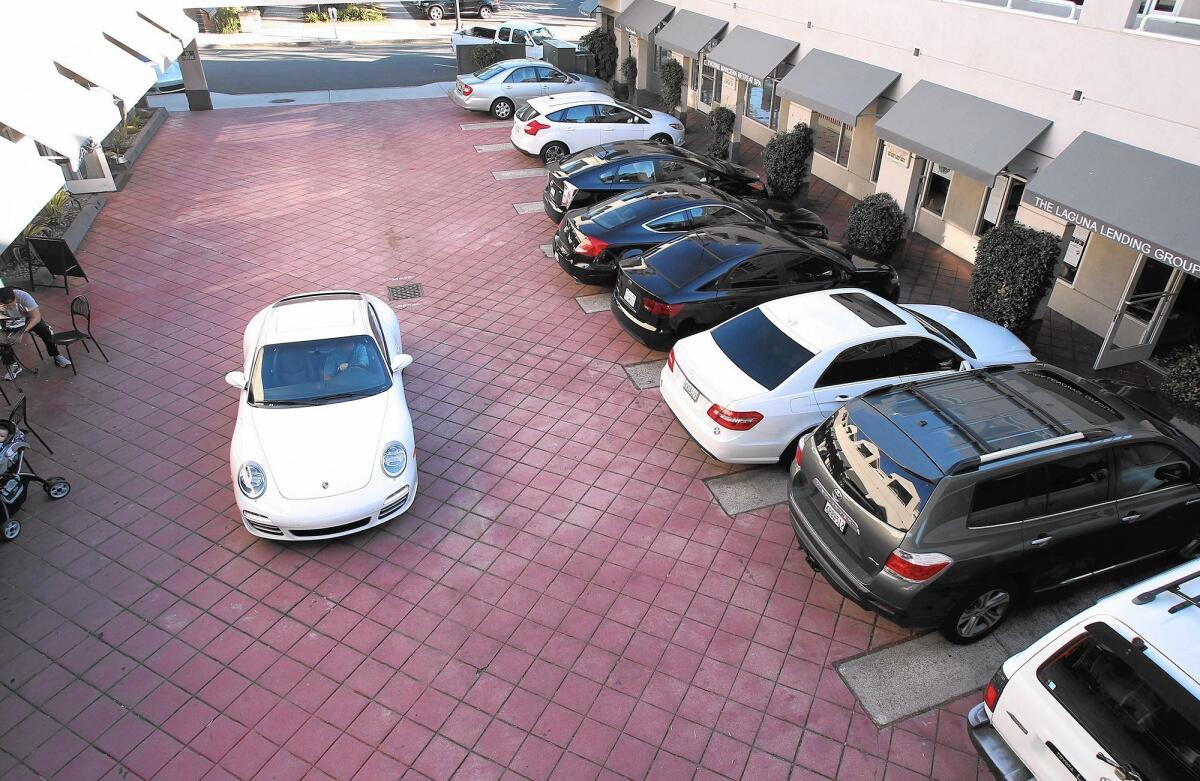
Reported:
(320, 371)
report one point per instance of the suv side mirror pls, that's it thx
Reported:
(401, 362)
(1171, 473)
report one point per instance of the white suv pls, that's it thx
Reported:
(556, 126)
(1113, 693)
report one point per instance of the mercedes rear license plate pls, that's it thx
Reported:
(691, 390)
(836, 515)
(630, 298)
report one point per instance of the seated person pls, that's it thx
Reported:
(344, 356)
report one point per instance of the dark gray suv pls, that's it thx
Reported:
(937, 503)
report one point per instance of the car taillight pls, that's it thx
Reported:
(734, 421)
(671, 359)
(467, 89)
(534, 127)
(591, 247)
(991, 695)
(916, 567)
(800, 453)
(661, 308)
(756, 186)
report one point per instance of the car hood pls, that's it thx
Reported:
(992, 344)
(325, 450)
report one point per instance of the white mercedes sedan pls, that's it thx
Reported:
(749, 388)
(323, 444)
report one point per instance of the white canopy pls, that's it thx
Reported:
(29, 181)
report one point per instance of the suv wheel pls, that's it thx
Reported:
(435, 12)
(977, 616)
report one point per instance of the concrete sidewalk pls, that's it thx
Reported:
(178, 101)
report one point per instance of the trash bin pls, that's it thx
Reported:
(560, 54)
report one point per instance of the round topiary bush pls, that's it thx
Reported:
(226, 19)
(671, 77)
(487, 54)
(1182, 381)
(603, 45)
(875, 226)
(629, 71)
(787, 159)
(1013, 267)
(720, 122)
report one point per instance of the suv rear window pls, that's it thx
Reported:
(756, 346)
(1136, 722)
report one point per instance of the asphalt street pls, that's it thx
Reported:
(241, 71)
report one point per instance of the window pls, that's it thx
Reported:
(934, 327)
(679, 171)
(695, 75)
(710, 84)
(762, 102)
(673, 223)
(1001, 204)
(490, 71)
(868, 309)
(914, 355)
(551, 76)
(937, 187)
(863, 362)
(1074, 254)
(522, 76)
(999, 501)
(1144, 721)
(713, 216)
(610, 114)
(519, 36)
(1077, 482)
(1149, 467)
(641, 173)
(755, 345)
(878, 161)
(661, 57)
(806, 270)
(573, 115)
(318, 371)
(754, 273)
(831, 138)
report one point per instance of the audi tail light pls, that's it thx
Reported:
(661, 308)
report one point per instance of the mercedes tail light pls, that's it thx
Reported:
(591, 247)
(734, 421)
(535, 127)
(916, 567)
(661, 308)
(671, 359)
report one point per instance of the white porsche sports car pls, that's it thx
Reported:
(323, 444)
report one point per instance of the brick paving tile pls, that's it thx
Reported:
(564, 598)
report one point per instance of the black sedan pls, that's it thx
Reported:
(590, 241)
(603, 171)
(705, 277)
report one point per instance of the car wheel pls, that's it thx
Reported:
(502, 108)
(661, 138)
(435, 12)
(554, 152)
(485, 12)
(977, 616)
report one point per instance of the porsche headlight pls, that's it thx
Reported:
(394, 459)
(252, 480)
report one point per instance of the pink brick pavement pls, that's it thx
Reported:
(564, 599)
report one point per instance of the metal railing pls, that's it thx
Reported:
(1059, 9)
(1168, 24)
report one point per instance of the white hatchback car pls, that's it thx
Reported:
(323, 444)
(1113, 693)
(749, 388)
(556, 126)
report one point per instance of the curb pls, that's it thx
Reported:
(301, 42)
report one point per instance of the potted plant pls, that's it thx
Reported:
(720, 123)
(1010, 283)
(629, 71)
(787, 159)
(875, 228)
(671, 77)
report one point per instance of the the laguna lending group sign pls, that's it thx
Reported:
(734, 72)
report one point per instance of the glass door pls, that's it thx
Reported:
(1139, 319)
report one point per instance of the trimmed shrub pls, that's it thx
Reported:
(671, 76)
(487, 54)
(1013, 266)
(874, 226)
(787, 159)
(629, 71)
(720, 122)
(226, 19)
(603, 44)
(356, 12)
(1182, 382)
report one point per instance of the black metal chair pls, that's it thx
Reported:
(18, 416)
(80, 308)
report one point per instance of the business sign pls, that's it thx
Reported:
(734, 72)
(1101, 228)
(900, 157)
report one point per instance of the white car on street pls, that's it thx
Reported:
(556, 126)
(749, 388)
(323, 444)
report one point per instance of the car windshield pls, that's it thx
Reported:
(641, 112)
(490, 71)
(319, 371)
(763, 352)
(540, 35)
(937, 329)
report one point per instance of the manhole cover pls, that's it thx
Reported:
(283, 100)
(404, 292)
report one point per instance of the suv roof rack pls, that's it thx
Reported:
(1146, 597)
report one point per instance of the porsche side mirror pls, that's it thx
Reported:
(401, 362)
(236, 379)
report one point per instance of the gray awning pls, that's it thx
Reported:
(1135, 197)
(644, 16)
(973, 136)
(689, 32)
(835, 85)
(588, 7)
(750, 55)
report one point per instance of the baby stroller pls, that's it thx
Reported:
(16, 477)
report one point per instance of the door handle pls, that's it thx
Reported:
(841, 397)
(1044, 539)
(1131, 517)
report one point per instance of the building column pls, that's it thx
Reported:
(195, 85)
(900, 177)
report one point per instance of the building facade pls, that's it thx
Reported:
(1081, 117)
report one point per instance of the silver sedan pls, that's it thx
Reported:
(506, 86)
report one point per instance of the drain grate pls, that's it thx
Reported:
(283, 100)
(404, 292)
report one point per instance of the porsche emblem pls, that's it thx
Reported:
(324, 485)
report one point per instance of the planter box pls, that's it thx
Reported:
(142, 140)
(83, 221)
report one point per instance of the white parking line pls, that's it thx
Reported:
(519, 173)
(492, 147)
(528, 207)
(484, 125)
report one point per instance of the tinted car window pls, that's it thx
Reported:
(753, 273)
(615, 114)
(712, 216)
(632, 173)
(679, 221)
(1149, 467)
(519, 36)
(679, 171)
(860, 363)
(913, 355)
(1076, 482)
(801, 269)
(756, 346)
(550, 75)
(999, 500)
(489, 71)
(624, 209)
(942, 331)
(575, 115)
